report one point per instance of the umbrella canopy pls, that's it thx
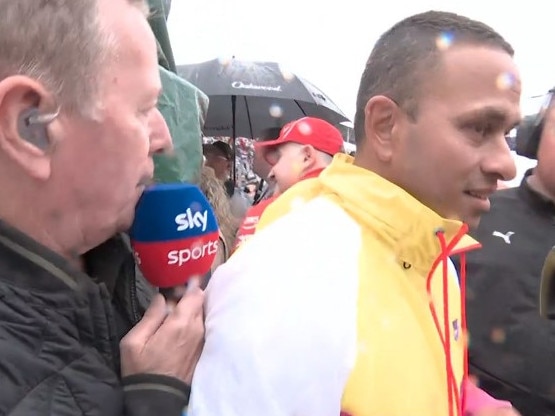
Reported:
(247, 98)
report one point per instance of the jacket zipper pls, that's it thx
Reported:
(136, 316)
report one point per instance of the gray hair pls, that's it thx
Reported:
(59, 43)
(325, 158)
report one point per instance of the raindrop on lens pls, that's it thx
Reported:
(474, 379)
(498, 336)
(276, 111)
(287, 76)
(224, 61)
(304, 128)
(505, 81)
(444, 40)
(361, 346)
(297, 203)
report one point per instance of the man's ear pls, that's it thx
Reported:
(381, 114)
(309, 154)
(307, 161)
(22, 103)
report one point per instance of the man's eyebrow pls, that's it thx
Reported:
(491, 114)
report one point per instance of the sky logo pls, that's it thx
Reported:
(189, 220)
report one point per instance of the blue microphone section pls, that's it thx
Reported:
(172, 212)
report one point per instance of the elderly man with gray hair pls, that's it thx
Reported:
(79, 124)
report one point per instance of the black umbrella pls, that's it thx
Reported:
(246, 98)
(265, 97)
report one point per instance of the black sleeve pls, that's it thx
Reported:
(154, 395)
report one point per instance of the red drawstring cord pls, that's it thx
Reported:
(464, 329)
(452, 387)
(446, 323)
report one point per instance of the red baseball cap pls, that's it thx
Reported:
(309, 131)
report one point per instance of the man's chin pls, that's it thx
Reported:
(473, 221)
(125, 221)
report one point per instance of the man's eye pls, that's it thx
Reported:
(481, 129)
(273, 158)
(145, 112)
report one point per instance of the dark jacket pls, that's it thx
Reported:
(60, 331)
(512, 349)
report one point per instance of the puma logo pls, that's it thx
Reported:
(506, 237)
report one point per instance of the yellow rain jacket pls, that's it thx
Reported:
(343, 302)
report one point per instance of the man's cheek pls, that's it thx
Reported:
(296, 169)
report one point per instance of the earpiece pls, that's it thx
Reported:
(32, 124)
(529, 132)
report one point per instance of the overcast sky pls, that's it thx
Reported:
(329, 42)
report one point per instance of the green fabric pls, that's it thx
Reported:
(184, 108)
(157, 20)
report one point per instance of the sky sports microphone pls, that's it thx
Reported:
(174, 235)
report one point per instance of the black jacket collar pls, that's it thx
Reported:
(535, 199)
(26, 263)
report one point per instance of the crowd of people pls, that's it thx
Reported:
(396, 281)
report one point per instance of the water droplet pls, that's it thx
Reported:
(470, 294)
(361, 347)
(197, 244)
(224, 60)
(444, 40)
(287, 75)
(276, 111)
(498, 335)
(297, 203)
(505, 81)
(474, 379)
(304, 128)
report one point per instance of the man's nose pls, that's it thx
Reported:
(160, 137)
(500, 161)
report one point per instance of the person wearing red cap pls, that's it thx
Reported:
(304, 148)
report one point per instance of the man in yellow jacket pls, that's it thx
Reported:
(345, 301)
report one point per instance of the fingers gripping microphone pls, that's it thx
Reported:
(174, 235)
(547, 287)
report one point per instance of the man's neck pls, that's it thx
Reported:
(37, 228)
(536, 184)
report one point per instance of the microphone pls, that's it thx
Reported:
(547, 287)
(174, 235)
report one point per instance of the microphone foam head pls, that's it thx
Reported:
(174, 234)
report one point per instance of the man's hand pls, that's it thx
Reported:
(479, 403)
(501, 411)
(168, 340)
